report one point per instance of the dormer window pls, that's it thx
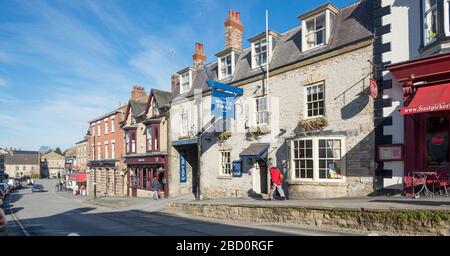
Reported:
(185, 82)
(430, 24)
(317, 25)
(261, 50)
(260, 55)
(154, 108)
(315, 31)
(225, 67)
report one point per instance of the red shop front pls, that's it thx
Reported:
(142, 170)
(425, 84)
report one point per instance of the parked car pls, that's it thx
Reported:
(37, 188)
(3, 224)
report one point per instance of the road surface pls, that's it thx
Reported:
(51, 214)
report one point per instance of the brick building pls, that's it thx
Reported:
(146, 141)
(313, 117)
(106, 167)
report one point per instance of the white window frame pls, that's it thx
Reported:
(447, 17)
(149, 139)
(106, 150)
(314, 32)
(183, 89)
(154, 108)
(306, 100)
(113, 124)
(113, 149)
(220, 68)
(99, 130)
(99, 151)
(254, 55)
(315, 154)
(93, 151)
(329, 20)
(258, 111)
(105, 122)
(184, 118)
(225, 166)
(425, 12)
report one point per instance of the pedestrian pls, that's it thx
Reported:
(156, 186)
(276, 180)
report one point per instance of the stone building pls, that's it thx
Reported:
(82, 153)
(19, 164)
(105, 166)
(411, 52)
(146, 132)
(52, 165)
(313, 117)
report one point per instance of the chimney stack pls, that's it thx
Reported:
(138, 94)
(233, 30)
(199, 56)
(174, 81)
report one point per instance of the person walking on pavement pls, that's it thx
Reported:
(156, 188)
(276, 179)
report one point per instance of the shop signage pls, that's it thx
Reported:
(389, 153)
(373, 88)
(183, 174)
(145, 160)
(223, 99)
(237, 168)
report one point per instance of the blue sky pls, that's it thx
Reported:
(64, 62)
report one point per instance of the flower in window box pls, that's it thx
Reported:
(314, 124)
(224, 135)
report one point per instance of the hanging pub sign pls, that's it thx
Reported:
(223, 99)
(390, 152)
(373, 88)
(237, 168)
(222, 104)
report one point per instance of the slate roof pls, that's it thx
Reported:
(117, 110)
(22, 158)
(352, 24)
(138, 107)
(162, 97)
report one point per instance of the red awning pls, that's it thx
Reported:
(78, 177)
(429, 99)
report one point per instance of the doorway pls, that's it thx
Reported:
(435, 135)
(264, 181)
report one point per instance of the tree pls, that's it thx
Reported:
(58, 150)
(45, 149)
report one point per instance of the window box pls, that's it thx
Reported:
(223, 136)
(314, 124)
(257, 131)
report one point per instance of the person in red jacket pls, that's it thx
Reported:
(276, 179)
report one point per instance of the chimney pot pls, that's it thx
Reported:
(199, 56)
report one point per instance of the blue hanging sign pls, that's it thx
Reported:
(237, 168)
(225, 87)
(183, 174)
(222, 104)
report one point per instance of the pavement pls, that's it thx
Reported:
(53, 213)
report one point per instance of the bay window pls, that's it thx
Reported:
(130, 141)
(149, 138)
(430, 22)
(318, 159)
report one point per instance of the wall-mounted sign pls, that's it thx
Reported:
(237, 168)
(183, 174)
(373, 88)
(390, 152)
(222, 104)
